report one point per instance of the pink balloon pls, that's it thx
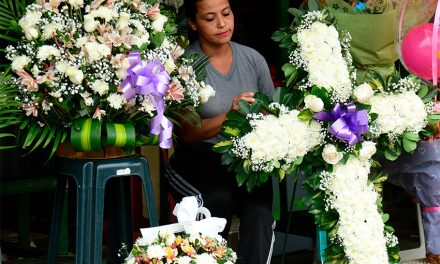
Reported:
(417, 51)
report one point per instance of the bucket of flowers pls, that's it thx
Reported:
(101, 73)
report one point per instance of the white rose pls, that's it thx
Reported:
(19, 62)
(31, 33)
(170, 66)
(206, 92)
(368, 149)
(314, 103)
(89, 23)
(124, 18)
(363, 92)
(145, 38)
(157, 24)
(76, 3)
(75, 76)
(29, 22)
(331, 155)
(35, 71)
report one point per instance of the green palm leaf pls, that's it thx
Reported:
(10, 13)
(10, 113)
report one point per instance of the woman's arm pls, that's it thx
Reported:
(210, 127)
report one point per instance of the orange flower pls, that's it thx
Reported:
(219, 253)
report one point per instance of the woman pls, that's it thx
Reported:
(236, 72)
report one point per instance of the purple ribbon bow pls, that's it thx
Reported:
(150, 79)
(349, 124)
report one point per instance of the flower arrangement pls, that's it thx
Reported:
(181, 249)
(109, 62)
(353, 125)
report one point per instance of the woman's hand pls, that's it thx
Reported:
(246, 96)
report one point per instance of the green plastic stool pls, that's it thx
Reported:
(91, 176)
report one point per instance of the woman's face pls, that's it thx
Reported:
(214, 21)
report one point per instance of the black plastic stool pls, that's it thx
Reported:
(91, 176)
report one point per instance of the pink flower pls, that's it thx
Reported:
(175, 92)
(31, 109)
(437, 107)
(27, 80)
(98, 113)
(49, 76)
(153, 12)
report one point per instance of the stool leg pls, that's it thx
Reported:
(99, 218)
(149, 194)
(85, 218)
(56, 219)
(120, 216)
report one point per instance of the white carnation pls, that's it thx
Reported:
(104, 12)
(320, 54)
(398, 113)
(50, 30)
(147, 105)
(47, 52)
(361, 228)
(116, 100)
(19, 62)
(205, 259)
(100, 86)
(62, 66)
(277, 139)
(155, 252)
(184, 260)
(96, 51)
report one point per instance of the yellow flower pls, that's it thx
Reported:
(188, 249)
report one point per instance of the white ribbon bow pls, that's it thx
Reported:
(186, 212)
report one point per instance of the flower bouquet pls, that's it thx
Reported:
(186, 242)
(103, 73)
(346, 128)
(182, 248)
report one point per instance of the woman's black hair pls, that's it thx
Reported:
(191, 9)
